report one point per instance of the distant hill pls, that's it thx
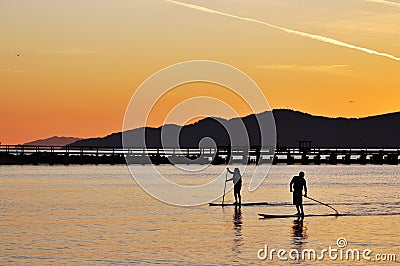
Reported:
(375, 131)
(53, 141)
(382, 131)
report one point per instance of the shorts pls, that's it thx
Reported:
(297, 198)
(237, 187)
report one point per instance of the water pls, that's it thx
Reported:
(99, 215)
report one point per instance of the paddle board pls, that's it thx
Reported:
(243, 204)
(272, 216)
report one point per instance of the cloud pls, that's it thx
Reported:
(13, 71)
(384, 2)
(73, 51)
(328, 69)
(295, 32)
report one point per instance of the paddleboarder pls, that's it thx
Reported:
(297, 185)
(237, 181)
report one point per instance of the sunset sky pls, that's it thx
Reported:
(69, 68)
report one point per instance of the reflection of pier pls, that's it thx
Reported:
(17, 154)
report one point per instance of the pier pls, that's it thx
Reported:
(65, 155)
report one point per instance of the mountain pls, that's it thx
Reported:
(375, 131)
(381, 131)
(207, 132)
(53, 141)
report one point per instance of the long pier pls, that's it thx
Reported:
(24, 154)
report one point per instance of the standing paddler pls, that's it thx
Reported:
(237, 181)
(296, 186)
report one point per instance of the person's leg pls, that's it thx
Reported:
(298, 209)
(301, 208)
(235, 197)
(240, 198)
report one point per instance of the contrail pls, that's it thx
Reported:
(299, 33)
(384, 2)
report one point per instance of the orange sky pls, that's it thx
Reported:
(81, 61)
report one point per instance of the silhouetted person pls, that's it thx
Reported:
(296, 186)
(237, 181)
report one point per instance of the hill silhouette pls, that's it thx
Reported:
(53, 141)
(381, 131)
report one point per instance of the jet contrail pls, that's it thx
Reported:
(299, 33)
(384, 2)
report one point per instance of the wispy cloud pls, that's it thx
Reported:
(73, 51)
(384, 2)
(295, 32)
(13, 71)
(328, 69)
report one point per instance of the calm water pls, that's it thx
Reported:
(99, 215)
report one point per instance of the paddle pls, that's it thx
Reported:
(322, 204)
(223, 197)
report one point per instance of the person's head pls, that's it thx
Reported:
(301, 174)
(236, 171)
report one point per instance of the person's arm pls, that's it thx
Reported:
(230, 179)
(305, 188)
(229, 171)
(291, 185)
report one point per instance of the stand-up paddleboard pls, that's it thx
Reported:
(243, 204)
(272, 216)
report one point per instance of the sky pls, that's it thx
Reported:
(70, 68)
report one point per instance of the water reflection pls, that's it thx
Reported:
(237, 228)
(79, 207)
(299, 234)
(299, 231)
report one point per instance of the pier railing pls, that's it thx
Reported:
(32, 154)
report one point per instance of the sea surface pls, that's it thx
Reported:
(84, 215)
